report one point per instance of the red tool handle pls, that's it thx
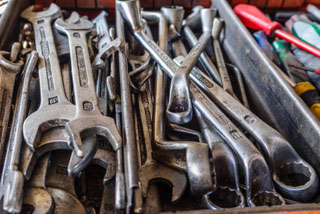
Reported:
(253, 18)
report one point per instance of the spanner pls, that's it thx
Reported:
(294, 177)
(226, 193)
(54, 109)
(179, 108)
(9, 71)
(196, 153)
(12, 179)
(88, 119)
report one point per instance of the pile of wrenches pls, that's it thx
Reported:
(88, 94)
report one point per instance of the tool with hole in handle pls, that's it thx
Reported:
(253, 18)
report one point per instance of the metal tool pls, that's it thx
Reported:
(179, 108)
(54, 109)
(227, 191)
(272, 143)
(9, 70)
(88, 119)
(129, 145)
(112, 78)
(196, 153)
(12, 179)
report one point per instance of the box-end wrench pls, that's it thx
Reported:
(179, 109)
(226, 193)
(88, 119)
(9, 71)
(128, 133)
(295, 178)
(196, 153)
(54, 109)
(12, 179)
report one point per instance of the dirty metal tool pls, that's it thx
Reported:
(193, 21)
(88, 119)
(179, 109)
(112, 78)
(9, 70)
(196, 153)
(54, 109)
(12, 179)
(272, 143)
(129, 144)
(226, 193)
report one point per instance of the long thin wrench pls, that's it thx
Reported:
(12, 179)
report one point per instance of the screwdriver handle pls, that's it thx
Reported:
(253, 18)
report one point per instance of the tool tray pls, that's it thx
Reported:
(274, 100)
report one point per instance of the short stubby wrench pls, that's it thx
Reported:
(180, 108)
(9, 71)
(88, 119)
(55, 110)
(295, 178)
(226, 193)
(12, 179)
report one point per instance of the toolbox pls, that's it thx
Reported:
(273, 98)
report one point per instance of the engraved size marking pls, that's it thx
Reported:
(2, 110)
(195, 50)
(235, 134)
(53, 100)
(145, 102)
(201, 79)
(46, 53)
(40, 21)
(62, 170)
(83, 76)
(87, 106)
(76, 35)
(250, 119)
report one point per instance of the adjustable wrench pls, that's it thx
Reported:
(9, 70)
(88, 119)
(12, 179)
(54, 108)
(196, 153)
(226, 193)
(287, 170)
(179, 109)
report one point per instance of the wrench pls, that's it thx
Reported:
(196, 153)
(295, 178)
(12, 179)
(227, 191)
(179, 109)
(9, 71)
(88, 119)
(54, 108)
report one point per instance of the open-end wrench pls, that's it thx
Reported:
(111, 79)
(12, 179)
(193, 21)
(128, 133)
(151, 169)
(295, 178)
(226, 193)
(54, 109)
(106, 46)
(196, 153)
(88, 119)
(9, 71)
(179, 109)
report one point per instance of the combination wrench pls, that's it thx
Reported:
(196, 153)
(54, 108)
(88, 119)
(9, 70)
(295, 178)
(12, 179)
(179, 109)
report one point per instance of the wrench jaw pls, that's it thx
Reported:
(53, 11)
(8, 65)
(44, 119)
(207, 16)
(87, 125)
(193, 19)
(154, 172)
(130, 11)
(11, 190)
(40, 199)
(259, 187)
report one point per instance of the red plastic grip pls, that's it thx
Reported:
(253, 18)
